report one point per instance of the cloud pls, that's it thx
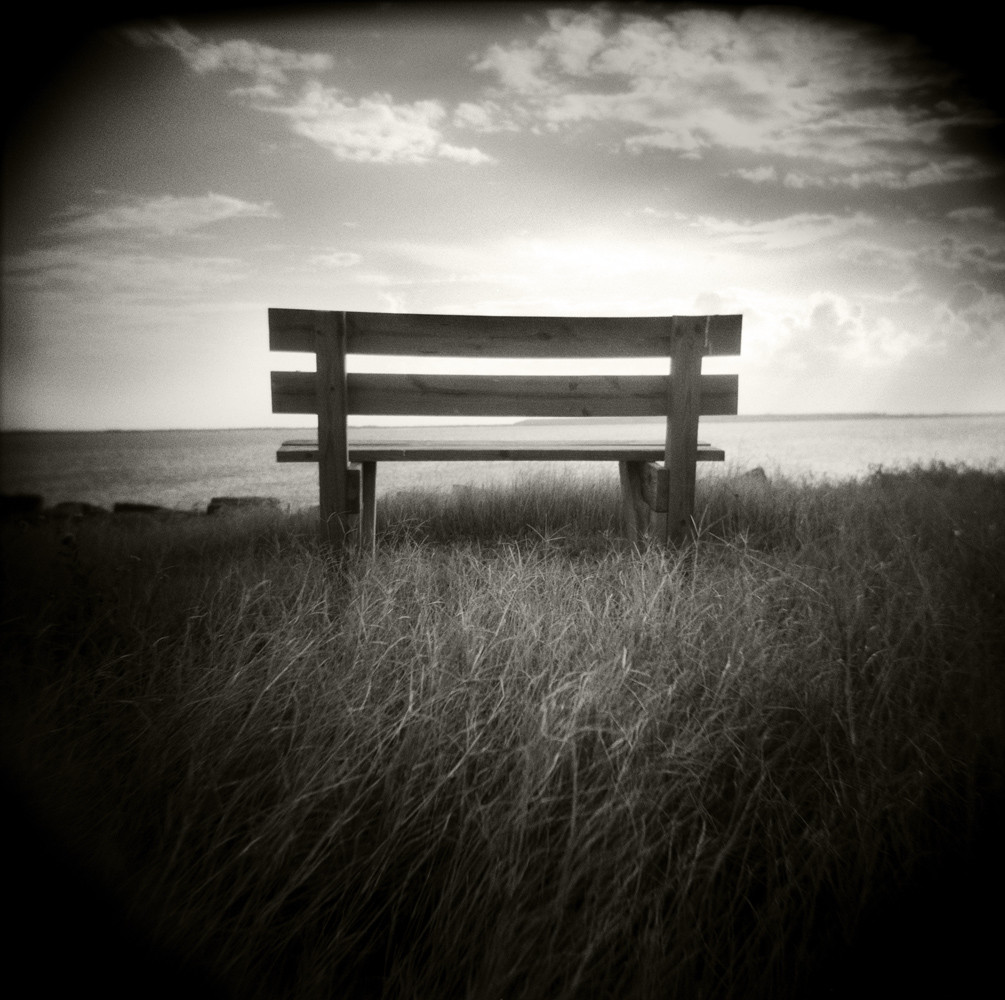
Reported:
(976, 214)
(975, 256)
(758, 175)
(831, 103)
(165, 215)
(485, 117)
(786, 233)
(336, 258)
(110, 278)
(972, 314)
(901, 177)
(519, 68)
(465, 154)
(267, 66)
(831, 329)
(374, 129)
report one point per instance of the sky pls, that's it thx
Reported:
(168, 178)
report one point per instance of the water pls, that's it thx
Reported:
(838, 448)
(185, 469)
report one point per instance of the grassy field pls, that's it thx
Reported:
(512, 756)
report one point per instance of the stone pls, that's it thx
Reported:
(128, 507)
(76, 509)
(132, 511)
(223, 505)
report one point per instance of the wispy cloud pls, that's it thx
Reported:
(111, 277)
(335, 258)
(788, 232)
(977, 257)
(976, 214)
(163, 215)
(268, 67)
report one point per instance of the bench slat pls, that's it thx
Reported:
(430, 335)
(372, 394)
(424, 450)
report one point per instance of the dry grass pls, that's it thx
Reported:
(512, 756)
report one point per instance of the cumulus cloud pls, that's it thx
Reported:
(487, 116)
(164, 215)
(836, 101)
(518, 68)
(832, 329)
(372, 129)
(973, 314)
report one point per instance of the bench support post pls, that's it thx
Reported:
(333, 444)
(368, 519)
(658, 499)
(634, 509)
(643, 498)
(644, 488)
(688, 337)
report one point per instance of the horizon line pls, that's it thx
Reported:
(739, 417)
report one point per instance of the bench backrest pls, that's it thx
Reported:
(333, 335)
(679, 391)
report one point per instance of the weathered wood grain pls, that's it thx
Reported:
(684, 407)
(431, 335)
(492, 450)
(635, 512)
(372, 394)
(368, 518)
(330, 404)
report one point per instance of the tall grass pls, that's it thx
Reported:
(512, 755)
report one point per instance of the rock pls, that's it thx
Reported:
(753, 483)
(76, 509)
(128, 507)
(223, 505)
(146, 511)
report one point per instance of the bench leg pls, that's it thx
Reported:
(368, 518)
(340, 517)
(634, 509)
(644, 491)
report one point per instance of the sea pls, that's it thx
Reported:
(185, 469)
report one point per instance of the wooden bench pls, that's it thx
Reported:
(657, 475)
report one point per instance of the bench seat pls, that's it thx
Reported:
(412, 446)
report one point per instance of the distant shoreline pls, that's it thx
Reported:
(539, 421)
(771, 417)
